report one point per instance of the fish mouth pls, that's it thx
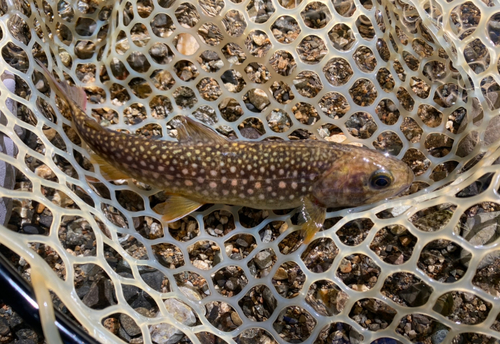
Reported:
(410, 177)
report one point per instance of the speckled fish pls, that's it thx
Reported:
(204, 167)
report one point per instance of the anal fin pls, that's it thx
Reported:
(176, 207)
(107, 171)
(314, 216)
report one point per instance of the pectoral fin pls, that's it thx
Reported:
(176, 207)
(313, 216)
(107, 171)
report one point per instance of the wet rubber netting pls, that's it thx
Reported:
(416, 79)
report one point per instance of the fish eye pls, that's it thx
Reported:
(380, 179)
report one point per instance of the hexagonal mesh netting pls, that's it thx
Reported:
(417, 79)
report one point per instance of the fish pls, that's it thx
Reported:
(204, 167)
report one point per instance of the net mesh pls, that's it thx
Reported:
(416, 79)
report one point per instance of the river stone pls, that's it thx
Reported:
(169, 334)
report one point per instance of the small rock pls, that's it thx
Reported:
(258, 98)
(187, 44)
(241, 242)
(338, 138)
(29, 228)
(45, 221)
(417, 294)
(259, 39)
(281, 274)
(26, 341)
(229, 249)
(44, 172)
(191, 294)
(200, 264)
(40, 208)
(50, 133)
(180, 312)
(15, 320)
(168, 334)
(405, 240)
(263, 259)
(345, 266)
(440, 334)
(27, 335)
(236, 319)
(129, 325)
(153, 279)
(4, 328)
(100, 295)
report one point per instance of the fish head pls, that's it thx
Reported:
(361, 176)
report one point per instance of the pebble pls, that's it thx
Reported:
(191, 294)
(168, 334)
(99, 295)
(235, 318)
(338, 138)
(263, 259)
(153, 279)
(229, 249)
(200, 264)
(405, 241)
(187, 44)
(440, 334)
(4, 328)
(44, 172)
(241, 242)
(281, 274)
(258, 98)
(27, 336)
(259, 39)
(29, 228)
(345, 266)
(40, 208)
(129, 325)
(416, 294)
(50, 133)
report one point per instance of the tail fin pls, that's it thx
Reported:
(70, 94)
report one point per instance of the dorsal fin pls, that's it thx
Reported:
(70, 94)
(193, 131)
